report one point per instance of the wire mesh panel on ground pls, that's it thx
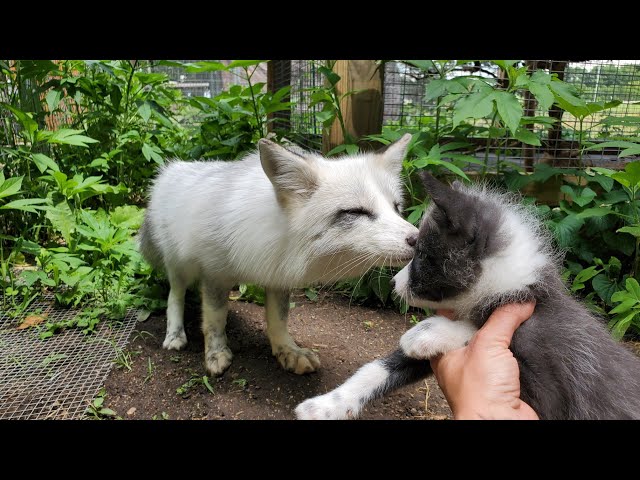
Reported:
(55, 378)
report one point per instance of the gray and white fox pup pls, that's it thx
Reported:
(277, 218)
(478, 249)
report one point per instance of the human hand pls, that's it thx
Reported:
(482, 380)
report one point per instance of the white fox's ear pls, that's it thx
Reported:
(293, 176)
(393, 154)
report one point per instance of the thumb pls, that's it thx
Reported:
(503, 322)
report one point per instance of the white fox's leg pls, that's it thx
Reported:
(291, 356)
(215, 300)
(175, 338)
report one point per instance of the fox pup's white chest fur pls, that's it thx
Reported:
(278, 219)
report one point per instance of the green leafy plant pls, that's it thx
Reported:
(195, 380)
(627, 310)
(96, 409)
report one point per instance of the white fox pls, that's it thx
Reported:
(278, 219)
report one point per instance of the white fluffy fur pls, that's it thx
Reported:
(347, 400)
(222, 219)
(269, 219)
(436, 335)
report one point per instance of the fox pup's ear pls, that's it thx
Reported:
(451, 202)
(393, 154)
(293, 176)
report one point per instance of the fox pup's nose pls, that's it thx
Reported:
(412, 239)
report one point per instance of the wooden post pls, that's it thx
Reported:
(362, 111)
(279, 76)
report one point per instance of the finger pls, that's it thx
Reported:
(450, 314)
(503, 322)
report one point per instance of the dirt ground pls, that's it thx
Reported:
(255, 386)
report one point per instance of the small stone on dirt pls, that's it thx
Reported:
(131, 411)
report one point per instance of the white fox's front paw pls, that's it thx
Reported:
(295, 359)
(434, 336)
(330, 406)
(175, 340)
(217, 362)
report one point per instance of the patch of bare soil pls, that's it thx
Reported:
(255, 386)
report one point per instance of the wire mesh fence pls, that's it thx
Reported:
(306, 129)
(405, 105)
(58, 377)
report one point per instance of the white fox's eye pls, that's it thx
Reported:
(356, 211)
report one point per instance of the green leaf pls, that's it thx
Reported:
(633, 173)
(127, 216)
(244, 63)
(144, 111)
(509, 109)
(338, 149)
(543, 95)
(604, 287)
(541, 77)
(425, 65)
(26, 205)
(151, 152)
(62, 220)
(527, 136)
(566, 229)
(380, 284)
(107, 412)
(595, 212)
(311, 294)
(635, 150)
(209, 66)
(416, 213)
(522, 81)
(436, 88)
(586, 195)
(633, 230)
(29, 125)
(53, 99)
(66, 136)
(116, 97)
(330, 75)
(476, 105)
(624, 306)
(43, 162)
(633, 287)
(605, 182)
(614, 196)
(614, 144)
(10, 186)
(587, 274)
(567, 93)
(622, 325)
(205, 381)
(352, 149)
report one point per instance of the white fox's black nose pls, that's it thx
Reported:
(412, 239)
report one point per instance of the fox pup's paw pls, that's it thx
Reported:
(435, 335)
(175, 340)
(297, 360)
(330, 406)
(217, 362)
